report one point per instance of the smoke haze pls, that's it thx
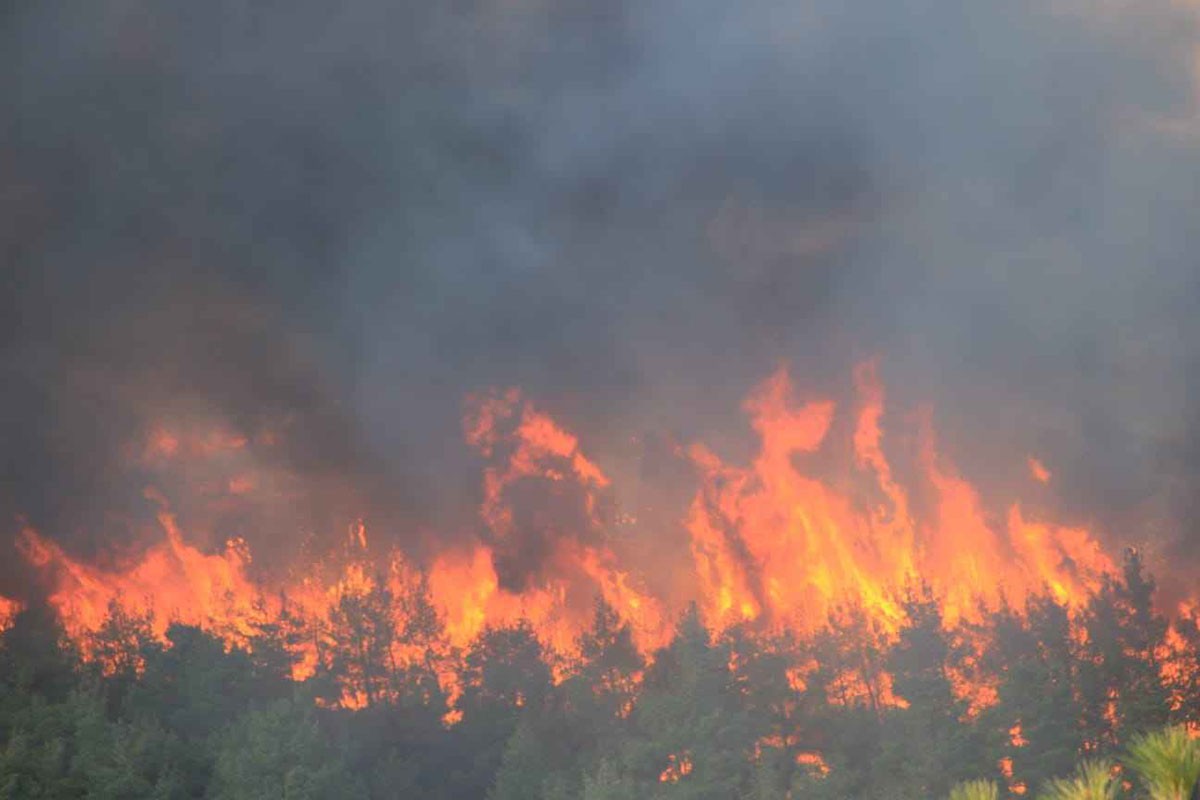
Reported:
(337, 223)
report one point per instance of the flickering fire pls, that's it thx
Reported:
(678, 767)
(1038, 470)
(768, 544)
(8, 609)
(173, 581)
(1006, 771)
(814, 761)
(771, 542)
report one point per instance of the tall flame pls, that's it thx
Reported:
(771, 542)
(771, 545)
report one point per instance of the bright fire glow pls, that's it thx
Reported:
(767, 542)
(1038, 470)
(8, 609)
(770, 541)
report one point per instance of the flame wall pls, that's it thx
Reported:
(769, 543)
(255, 258)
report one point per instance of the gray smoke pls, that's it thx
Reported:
(351, 215)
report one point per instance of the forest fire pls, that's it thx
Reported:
(771, 541)
(7, 609)
(772, 547)
(594, 400)
(850, 580)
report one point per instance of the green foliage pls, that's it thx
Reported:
(690, 723)
(1166, 761)
(556, 743)
(363, 633)
(277, 752)
(1120, 660)
(41, 757)
(921, 756)
(975, 790)
(504, 676)
(608, 782)
(70, 749)
(1093, 780)
(743, 715)
(1034, 657)
(36, 658)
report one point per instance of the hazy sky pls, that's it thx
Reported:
(348, 216)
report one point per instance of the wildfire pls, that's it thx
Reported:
(173, 581)
(772, 542)
(8, 609)
(814, 762)
(678, 767)
(770, 545)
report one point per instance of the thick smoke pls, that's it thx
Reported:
(348, 216)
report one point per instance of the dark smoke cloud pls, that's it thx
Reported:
(350, 215)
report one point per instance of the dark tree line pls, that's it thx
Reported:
(846, 713)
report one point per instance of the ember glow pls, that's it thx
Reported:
(771, 545)
(7, 609)
(1038, 471)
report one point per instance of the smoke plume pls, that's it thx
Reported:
(321, 227)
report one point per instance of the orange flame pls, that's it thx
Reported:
(678, 767)
(8, 610)
(172, 582)
(771, 543)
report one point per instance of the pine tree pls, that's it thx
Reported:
(503, 676)
(927, 745)
(278, 752)
(1093, 780)
(583, 717)
(119, 649)
(691, 734)
(194, 688)
(1166, 762)
(1120, 680)
(362, 637)
(841, 710)
(1036, 715)
(975, 790)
